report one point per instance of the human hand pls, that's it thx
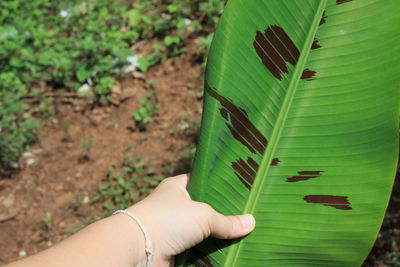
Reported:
(176, 223)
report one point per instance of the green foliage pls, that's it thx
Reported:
(203, 46)
(171, 24)
(126, 184)
(86, 144)
(147, 61)
(149, 108)
(300, 129)
(64, 43)
(17, 129)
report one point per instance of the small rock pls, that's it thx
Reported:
(85, 88)
(183, 126)
(95, 120)
(86, 200)
(132, 66)
(64, 14)
(77, 108)
(138, 75)
(129, 93)
(30, 161)
(27, 154)
(22, 253)
(9, 201)
(37, 151)
(14, 165)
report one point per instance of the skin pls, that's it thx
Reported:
(175, 223)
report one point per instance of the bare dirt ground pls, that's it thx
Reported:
(49, 200)
(45, 202)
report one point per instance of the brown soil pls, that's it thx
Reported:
(48, 201)
(42, 203)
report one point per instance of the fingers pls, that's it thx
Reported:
(229, 227)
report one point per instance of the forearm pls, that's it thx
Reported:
(114, 241)
(173, 222)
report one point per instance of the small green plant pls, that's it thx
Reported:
(157, 56)
(67, 127)
(149, 108)
(126, 184)
(203, 46)
(86, 144)
(47, 220)
(17, 128)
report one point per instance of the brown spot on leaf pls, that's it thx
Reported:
(224, 113)
(275, 58)
(244, 172)
(310, 172)
(241, 127)
(337, 202)
(315, 44)
(339, 207)
(288, 44)
(323, 19)
(240, 138)
(299, 178)
(275, 48)
(308, 75)
(253, 164)
(275, 162)
(304, 176)
(338, 2)
(267, 62)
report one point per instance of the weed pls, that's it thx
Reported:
(86, 144)
(66, 127)
(125, 185)
(128, 147)
(149, 108)
(47, 220)
(203, 46)
(148, 61)
(17, 128)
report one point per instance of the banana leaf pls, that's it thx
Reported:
(300, 129)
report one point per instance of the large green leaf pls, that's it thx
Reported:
(300, 128)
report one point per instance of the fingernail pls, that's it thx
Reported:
(248, 222)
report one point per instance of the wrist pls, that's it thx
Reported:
(130, 238)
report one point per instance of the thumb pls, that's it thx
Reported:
(230, 227)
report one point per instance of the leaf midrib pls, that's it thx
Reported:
(234, 250)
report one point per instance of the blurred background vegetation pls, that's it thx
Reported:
(55, 52)
(82, 46)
